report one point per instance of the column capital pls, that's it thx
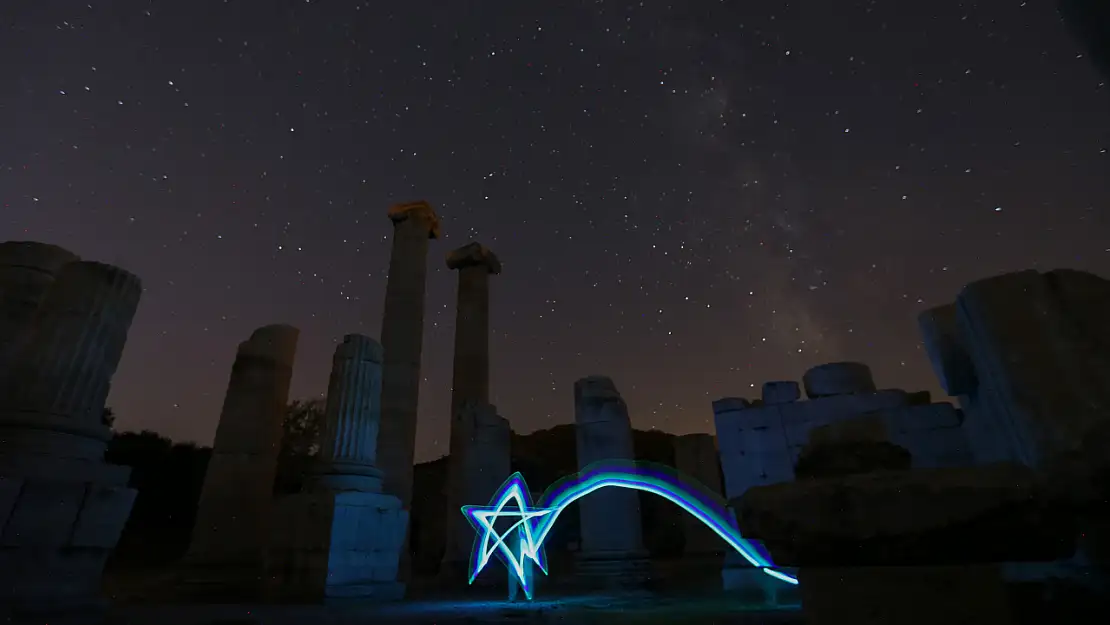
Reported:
(419, 210)
(474, 254)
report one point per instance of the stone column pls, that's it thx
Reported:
(414, 224)
(61, 507)
(348, 449)
(487, 464)
(469, 381)
(27, 270)
(612, 551)
(235, 507)
(344, 538)
(695, 455)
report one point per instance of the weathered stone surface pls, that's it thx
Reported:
(838, 378)
(235, 507)
(469, 379)
(61, 507)
(940, 332)
(781, 392)
(486, 466)
(995, 513)
(27, 271)
(695, 456)
(610, 518)
(414, 224)
(61, 375)
(329, 545)
(348, 447)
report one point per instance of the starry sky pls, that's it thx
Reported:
(690, 197)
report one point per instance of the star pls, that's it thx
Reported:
(490, 541)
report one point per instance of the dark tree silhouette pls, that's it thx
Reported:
(300, 443)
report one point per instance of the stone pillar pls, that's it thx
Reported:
(349, 447)
(343, 539)
(487, 464)
(469, 382)
(27, 270)
(62, 508)
(695, 455)
(235, 506)
(610, 523)
(414, 224)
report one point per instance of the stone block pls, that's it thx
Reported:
(941, 336)
(104, 513)
(44, 515)
(781, 392)
(838, 378)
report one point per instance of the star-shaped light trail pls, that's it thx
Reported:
(490, 540)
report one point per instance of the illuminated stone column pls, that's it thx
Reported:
(343, 538)
(235, 508)
(612, 535)
(27, 270)
(414, 224)
(348, 448)
(469, 385)
(62, 508)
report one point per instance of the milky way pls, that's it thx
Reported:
(691, 198)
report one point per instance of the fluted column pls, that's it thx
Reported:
(27, 271)
(469, 381)
(348, 449)
(61, 375)
(414, 224)
(233, 513)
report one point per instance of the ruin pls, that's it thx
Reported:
(612, 550)
(230, 534)
(1028, 357)
(876, 541)
(469, 385)
(414, 224)
(343, 538)
(62, 508)
(760, 441)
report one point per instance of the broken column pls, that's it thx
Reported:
(612, 550)
(343, 539)
(878, 542)
(236, 502)
(27, 270)
(62, 508)
(469, 385)
(695, 456)
(414, 224)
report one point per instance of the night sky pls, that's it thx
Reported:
(691, 198)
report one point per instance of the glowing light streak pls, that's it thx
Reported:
(534, 523)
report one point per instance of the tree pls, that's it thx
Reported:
(108, 417)
(300, 443)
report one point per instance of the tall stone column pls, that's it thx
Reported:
(469, 385)
(62, 508)
(344, 538)
(612, 534)
(235, 506)
(414, 224)
(27, 270)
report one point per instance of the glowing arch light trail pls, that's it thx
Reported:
(531, 525)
